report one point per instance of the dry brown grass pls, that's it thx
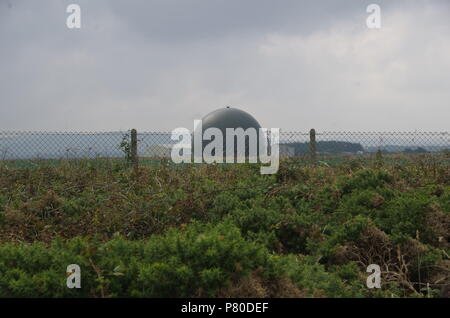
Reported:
(252, 286)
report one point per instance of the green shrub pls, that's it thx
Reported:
(212, 230)
(364, 179)
(405, 215)
(279, 228)
(198, 260)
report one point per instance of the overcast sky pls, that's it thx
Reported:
(160, 64)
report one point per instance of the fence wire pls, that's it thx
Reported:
(158, 145)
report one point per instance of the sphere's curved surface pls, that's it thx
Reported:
(229, 118)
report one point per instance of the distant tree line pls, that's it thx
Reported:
(330, 147)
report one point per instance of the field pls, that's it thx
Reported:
(225, 230)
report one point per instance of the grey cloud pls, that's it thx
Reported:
(160, 64)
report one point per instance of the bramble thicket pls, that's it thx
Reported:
(226, 230)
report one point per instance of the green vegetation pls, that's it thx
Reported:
(225, 230)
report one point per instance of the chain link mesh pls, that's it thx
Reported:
(32, 146)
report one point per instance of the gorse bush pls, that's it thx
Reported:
(195, 261)
(224, 230)
(199, 260)
(364, 179)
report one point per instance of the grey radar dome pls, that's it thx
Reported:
(230, 118)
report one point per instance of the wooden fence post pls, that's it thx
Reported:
(312, 145)
(134, 152)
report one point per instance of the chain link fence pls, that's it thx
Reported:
(347, 143)
(41, 146)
